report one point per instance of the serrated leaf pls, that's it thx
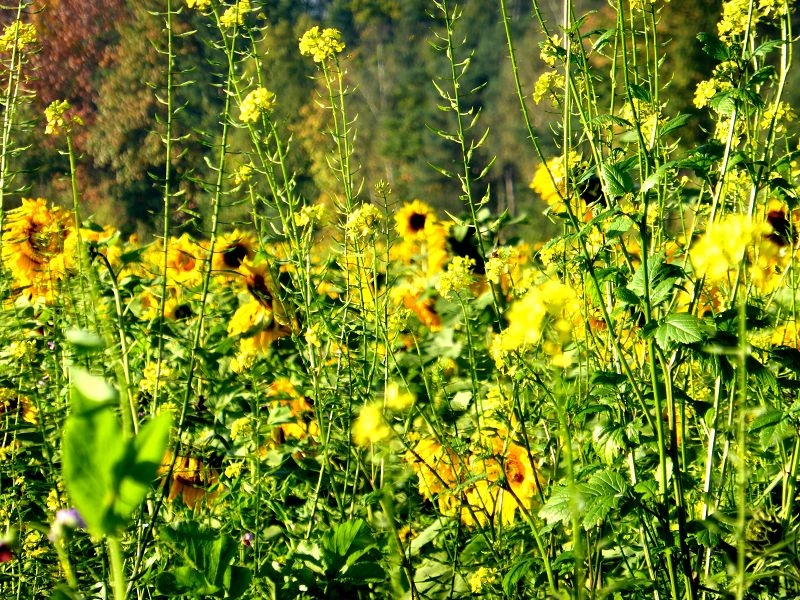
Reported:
(627, 296)
(616, 182)
(601, 495)
(682, 328)
(557, 509)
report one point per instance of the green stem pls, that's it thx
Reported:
(118, 582)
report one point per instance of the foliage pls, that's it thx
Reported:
(307, 386)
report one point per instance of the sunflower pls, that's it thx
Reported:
(184, 262)
(439, 472)
(411, 221)
(33, 242)
(282, 394)
(504, 481)
(232, 250)
(191, 479)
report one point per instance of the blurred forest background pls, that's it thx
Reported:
(105, 58)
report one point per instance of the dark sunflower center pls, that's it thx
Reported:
(782, 234)
(257, 286)
(235, 255)
(417, 222)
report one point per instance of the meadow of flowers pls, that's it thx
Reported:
(359, 396)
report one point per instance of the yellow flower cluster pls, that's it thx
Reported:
(20, 34)
(550, 180)
(549, 308)
(724, 247)
(550, 49)
(234, 16)
(55, 116)
(458, 276)
(321, 45)
(782, 114)
(371, 426)
(258, 101)
(707, 89)
(550, 84)
(489, 485)
(198, 4)
(363, 222)
(737, 16)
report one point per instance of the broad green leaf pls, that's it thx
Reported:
(138, 470)
(682, 328)
(92, 447)
(673, 124)
(557, 509)
(601, 495)
(616, 182)
(90, 392)
(713, 47)
(84, 342)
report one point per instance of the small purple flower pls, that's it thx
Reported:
(247, 539)
(51, 344)
(68, 518)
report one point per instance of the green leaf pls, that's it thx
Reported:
(616, 182)
(517, 571)
(713, 47)
(140, 464)
(682, 328)
(557, 509)
(673, 124)
(84, 342)
(92, 447)
(63, 592)
(601, 494)
(90, 392)
(106, 473)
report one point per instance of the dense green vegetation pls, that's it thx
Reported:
(274, 324)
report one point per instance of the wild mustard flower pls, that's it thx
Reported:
(321, 45)
(550, 179)
(234, 15)
(364, 221)
(23, 33)
(482, 577)
(550, 49)
(549, 85)
(724, 248)
(370, 427)
(57, 121)
(257, 102)
(243, 174)
(707, 89)
(783, 114)
(310, 213)
(549, 307)
(458, 276)
(395, 399)
(198, 4)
